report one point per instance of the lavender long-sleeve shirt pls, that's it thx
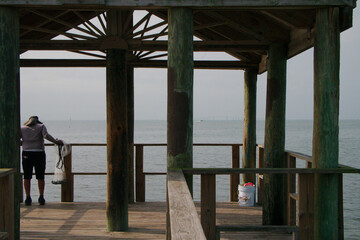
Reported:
(33, 137)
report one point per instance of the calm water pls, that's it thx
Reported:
(93, 159)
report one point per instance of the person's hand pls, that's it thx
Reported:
(59, 142)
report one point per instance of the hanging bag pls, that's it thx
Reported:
(59, 173)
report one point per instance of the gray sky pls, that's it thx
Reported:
(79, 93)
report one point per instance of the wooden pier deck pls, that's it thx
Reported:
(87, 220)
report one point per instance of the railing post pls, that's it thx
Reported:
(7, 205)
(67, 189)
(21, 188)
(260, 176)
(208, 205)
(291, 188)
(306, 206)
(235, 178)
(140, 176)
(341, 208)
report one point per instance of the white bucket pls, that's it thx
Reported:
(246, 195)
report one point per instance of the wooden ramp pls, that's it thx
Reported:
(87, 220)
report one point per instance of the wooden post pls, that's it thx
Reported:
(326, 121)
(7, 205)
(10, 102)
(140, 176)
(21, 188)
(235, 178)
(180, 91)
(306, 206)
(260, 181)
(291, 189)
(67, 189)
(249, 135)
(130, 85)
(341, 208)
(208, 205)
(117, 128)
(274, 146)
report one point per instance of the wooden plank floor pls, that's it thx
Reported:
(87, 220)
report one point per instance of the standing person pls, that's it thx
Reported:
(32, 136)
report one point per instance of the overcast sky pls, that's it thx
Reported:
(79, 93)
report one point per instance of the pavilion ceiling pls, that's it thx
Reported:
(245, 34)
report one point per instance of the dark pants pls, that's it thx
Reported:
(33, 159)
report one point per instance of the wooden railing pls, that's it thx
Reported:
(141, 175)
(303, 229)
(300, 200)
(183, 219)
(7, 203)
(67, 189)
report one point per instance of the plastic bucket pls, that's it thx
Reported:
(246, 195)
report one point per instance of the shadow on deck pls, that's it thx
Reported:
(87, 220)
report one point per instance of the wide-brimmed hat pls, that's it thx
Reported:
(32, 120)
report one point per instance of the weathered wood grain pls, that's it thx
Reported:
(180, 90)
(184, 220)
(87, 220)
(274, 143)
(10, 100)
(117, 129)
(325, 149)
(249, 126)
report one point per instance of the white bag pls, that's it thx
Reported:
(59, 173)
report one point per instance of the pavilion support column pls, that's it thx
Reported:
(180, 90)
(326, 122)
(10, 102)
(249, 135)
(130, 102)
(274, 147)
(117, 129)
(180, 95)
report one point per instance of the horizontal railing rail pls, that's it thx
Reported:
(67, 189)
(183, 222)
(140, 174)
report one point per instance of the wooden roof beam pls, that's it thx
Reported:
(148, 4)
(300, 41)
(236, 26)
(279, 20)
(230, 65)
(137, 45)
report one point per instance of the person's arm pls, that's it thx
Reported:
(47, 136)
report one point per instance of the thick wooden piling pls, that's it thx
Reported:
(249, 130)
(180, 93)
(10, 102)
(180, 90)
(130, 93)
(326, 121)
(117, 130)
(274, 146)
